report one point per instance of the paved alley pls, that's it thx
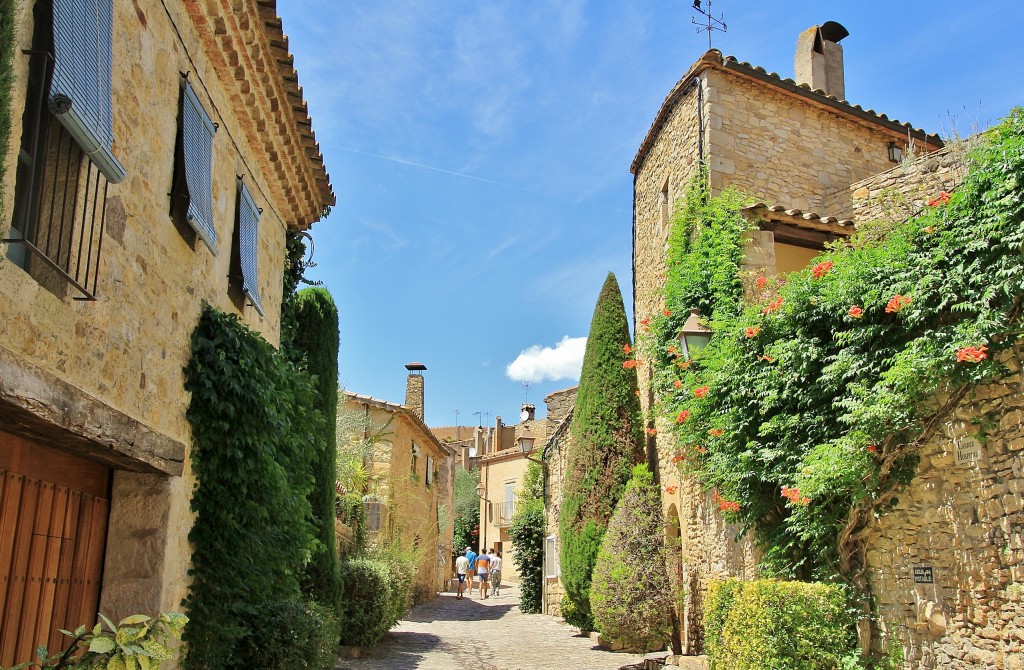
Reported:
(491, 634)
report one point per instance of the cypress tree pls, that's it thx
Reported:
(607, 441)
(315, 339)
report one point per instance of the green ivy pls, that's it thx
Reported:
(253, 419)
(806, 410)
(316, 342)
(6, 82)
(527, 536)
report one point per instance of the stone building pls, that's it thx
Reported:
(504, 453)
(412, 497)
(795, 145)
(159, 154)
(560, 405)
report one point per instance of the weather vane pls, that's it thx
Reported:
(713, 23)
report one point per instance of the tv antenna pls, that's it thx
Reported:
(713, 24)
(526, 392)
(480, 418)
(457, 432)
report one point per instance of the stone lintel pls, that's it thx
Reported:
(39, 406)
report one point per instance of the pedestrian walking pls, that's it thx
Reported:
(471, 557)
(483, 568)
(495, 571)
(461, 568)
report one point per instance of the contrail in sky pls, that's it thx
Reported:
(475, 178)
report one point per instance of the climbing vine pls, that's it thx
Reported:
(805, 412)
(253, 421)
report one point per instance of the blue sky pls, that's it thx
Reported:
(480, 153)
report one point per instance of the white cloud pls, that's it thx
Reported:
(537, 363)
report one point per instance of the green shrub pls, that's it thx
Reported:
(630, 596)
(606, 442)
(467, 510)
(315, 343)
(291, 634)
(252, 416)
(772, 625)
(527, 536)
(368, 601)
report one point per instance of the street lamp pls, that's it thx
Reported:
(526, 441)
(694, 335)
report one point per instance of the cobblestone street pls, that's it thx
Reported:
(491, 634)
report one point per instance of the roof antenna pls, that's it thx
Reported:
(526, 392)
(713, 23)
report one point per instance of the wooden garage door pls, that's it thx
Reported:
(53, 526)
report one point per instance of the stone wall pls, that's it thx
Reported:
(559, 412)
(946, 565)
(903, 191)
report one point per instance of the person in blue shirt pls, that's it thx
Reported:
(471, 555)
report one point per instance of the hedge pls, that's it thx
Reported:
(775, 625)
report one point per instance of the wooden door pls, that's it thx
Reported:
(53, 527)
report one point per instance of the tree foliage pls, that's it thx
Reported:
(315, 341)
(467, 510)
(253, 420)
(6, 82)
(527, 536)
(606, 442)
(630, 595)
(806, 410)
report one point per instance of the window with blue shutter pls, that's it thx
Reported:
(197, 155)
(248, 245)
(80, 88)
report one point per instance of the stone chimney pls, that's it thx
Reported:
(414, 388)
(819, 58)
(527, 412)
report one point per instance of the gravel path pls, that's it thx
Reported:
(491, 634)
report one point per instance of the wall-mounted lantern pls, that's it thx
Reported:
(694, 335)
(895, 152)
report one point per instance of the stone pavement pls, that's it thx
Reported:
(491, 634)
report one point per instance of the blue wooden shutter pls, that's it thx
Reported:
(80, 90)
(248, 245)
(197, 141)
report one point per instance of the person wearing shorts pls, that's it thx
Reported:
(461, 568)
(471, 556)
(483, 564)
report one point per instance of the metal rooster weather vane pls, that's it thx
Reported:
(713, 24)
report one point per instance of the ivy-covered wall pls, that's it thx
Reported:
(805, 415)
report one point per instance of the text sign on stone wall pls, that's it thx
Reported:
(967, 450)
(923, 574)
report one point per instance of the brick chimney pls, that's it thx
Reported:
(819, 58)
(414, 388)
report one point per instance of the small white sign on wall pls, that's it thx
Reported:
(967, 450)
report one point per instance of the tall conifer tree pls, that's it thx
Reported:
(607, 441)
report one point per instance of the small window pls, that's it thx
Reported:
(551, 557)
(429, 474)
(243, 277)
(413, 460)
(192, 191)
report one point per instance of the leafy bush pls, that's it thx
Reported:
(606, 442)
(368, 601)
(630, 595)
(291, 634)
(806, 410)
(135, 641)
(773, 625)
(315, 343)
(527, 536)
(252, 415)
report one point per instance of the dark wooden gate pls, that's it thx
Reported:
(53, 527)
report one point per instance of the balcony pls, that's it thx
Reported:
(501, 513)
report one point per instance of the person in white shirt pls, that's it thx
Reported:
(461, 568)
(495, 571)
